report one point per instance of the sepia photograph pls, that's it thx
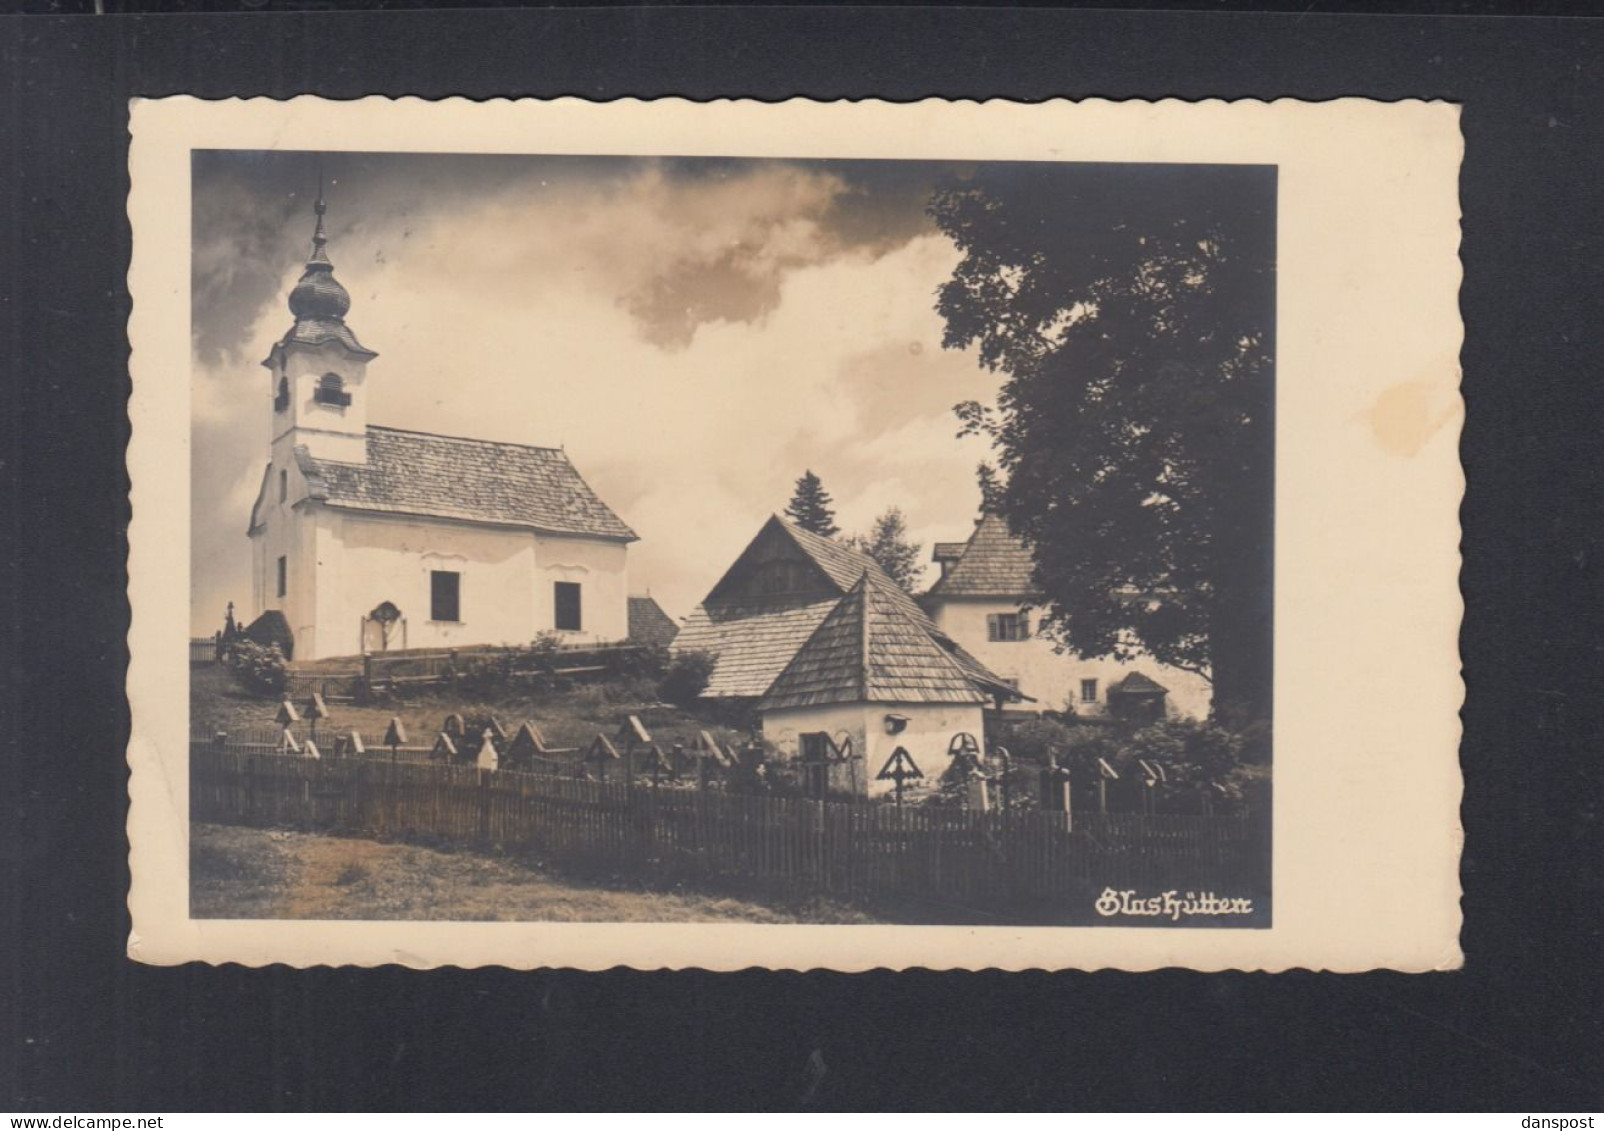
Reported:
(591, 538)
(801, 535)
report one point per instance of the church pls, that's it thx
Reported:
(366, 538)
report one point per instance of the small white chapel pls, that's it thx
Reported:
(368, 539)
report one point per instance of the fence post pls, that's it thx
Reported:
(484, 807)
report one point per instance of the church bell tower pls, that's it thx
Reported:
(319, 369)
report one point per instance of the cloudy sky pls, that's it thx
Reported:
(696, 333)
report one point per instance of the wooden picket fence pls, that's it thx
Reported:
(959, 857)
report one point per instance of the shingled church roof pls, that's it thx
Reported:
(419, 473)
(870, 650)
(994, 563)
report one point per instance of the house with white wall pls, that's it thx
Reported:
(986, 600)
(828, 648)
(366, 538)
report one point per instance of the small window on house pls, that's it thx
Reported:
(445, 595)
(331, 391)
(815, 765)
(568, 613)
(1088, 691)
(283, 486)
(1007, 627)
(281, 398)
(283, 576)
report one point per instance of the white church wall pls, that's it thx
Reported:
(370, 559)
(328, 431)
(600, 569)
(1053, 678)
(283, 534)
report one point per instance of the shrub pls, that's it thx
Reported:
(1202, 753)
(647, 661)
(485, 675)
(686, 678)
(1032, 739)
(258, 668)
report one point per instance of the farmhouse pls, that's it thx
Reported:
(983, 599)
(365, 538)
(830, 649)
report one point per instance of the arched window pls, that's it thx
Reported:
(331, 390)
(281, 399)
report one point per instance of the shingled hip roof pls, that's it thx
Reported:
(870, 650)
(994, 563)
(755, 640)
(418, 473)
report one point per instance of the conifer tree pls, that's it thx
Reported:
(811, 507)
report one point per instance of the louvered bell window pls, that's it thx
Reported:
(331, 391)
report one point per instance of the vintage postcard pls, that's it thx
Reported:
(805, 535)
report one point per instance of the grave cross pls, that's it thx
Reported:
(487, 758)
(899, 768)
(964, 750)
(394, 735)
(602, 754)
(316, 709)
(525, 746)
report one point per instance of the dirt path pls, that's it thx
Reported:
(274, 874)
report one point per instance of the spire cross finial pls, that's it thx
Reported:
(318, 238)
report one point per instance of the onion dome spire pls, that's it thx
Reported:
(318, 295)
(318, 301)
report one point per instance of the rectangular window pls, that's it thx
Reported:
(566, 598)
(283, 576)
(1007, 626)
(283, 485)
(816, 765)
(445, 594)
(1088, 691)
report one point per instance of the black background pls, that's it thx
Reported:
(82, 1029)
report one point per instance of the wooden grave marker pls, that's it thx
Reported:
(395, 735)
(900, 768)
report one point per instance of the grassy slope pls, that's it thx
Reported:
(240, 873)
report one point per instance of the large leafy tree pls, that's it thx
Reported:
(1131, 312)
(811, 507)
(889, 545)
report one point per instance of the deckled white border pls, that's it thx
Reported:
(1367, 835)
